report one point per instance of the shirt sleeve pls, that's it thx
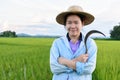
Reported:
(89, 66)
(57, 68)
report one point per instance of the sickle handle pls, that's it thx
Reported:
(87, 35)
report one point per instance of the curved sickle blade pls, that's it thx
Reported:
(88, 34)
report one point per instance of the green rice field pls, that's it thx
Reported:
(28, 59)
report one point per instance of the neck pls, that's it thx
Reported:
(74, 39)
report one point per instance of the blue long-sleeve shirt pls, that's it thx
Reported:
(61, 48)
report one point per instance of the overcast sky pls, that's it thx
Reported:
(38, 16)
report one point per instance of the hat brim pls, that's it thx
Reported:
(88, 17)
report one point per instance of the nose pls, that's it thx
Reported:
(73, 25)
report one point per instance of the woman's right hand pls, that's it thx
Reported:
(82, 58)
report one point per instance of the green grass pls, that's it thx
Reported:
(108, 64)
(28, 59)
(25, 59)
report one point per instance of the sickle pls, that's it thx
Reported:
(87, 35)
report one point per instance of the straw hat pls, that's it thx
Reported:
(88, 18)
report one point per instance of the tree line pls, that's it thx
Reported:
(115, 33)
(8, 34)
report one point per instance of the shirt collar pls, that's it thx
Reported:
(80, 37)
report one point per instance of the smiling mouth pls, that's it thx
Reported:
(73, 30)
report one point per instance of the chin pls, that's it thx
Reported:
(73, 34)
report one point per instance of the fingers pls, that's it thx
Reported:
(61, 60)
(87, 54)
(82, 58)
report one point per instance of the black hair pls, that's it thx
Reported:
(82, 17)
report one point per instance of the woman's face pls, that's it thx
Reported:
(74, 25)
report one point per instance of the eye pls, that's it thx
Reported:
(76, 22)
(69, 22)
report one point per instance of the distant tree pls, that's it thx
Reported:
(115, 33)
(8, 34)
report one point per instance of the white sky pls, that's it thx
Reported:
(23, 16)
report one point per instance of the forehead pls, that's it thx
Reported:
(73, 17)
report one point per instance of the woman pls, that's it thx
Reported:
(68, 60)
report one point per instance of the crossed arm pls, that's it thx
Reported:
(72, 63)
